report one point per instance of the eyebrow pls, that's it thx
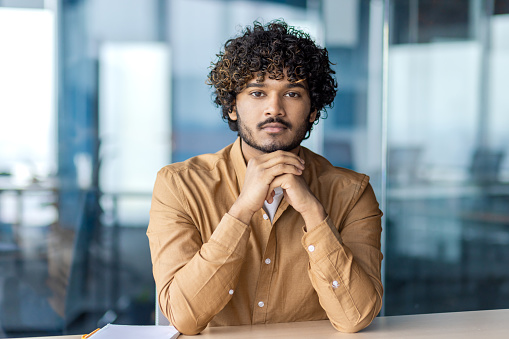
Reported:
(290, 85)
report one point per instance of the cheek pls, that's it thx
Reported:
(247, 112)
(303, 113)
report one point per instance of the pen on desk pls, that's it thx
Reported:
(85, 336)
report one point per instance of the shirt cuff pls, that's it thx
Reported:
(321, 240)
(230, 233)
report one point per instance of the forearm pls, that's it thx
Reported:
(200, 289)
(350, 296)
(351, 303)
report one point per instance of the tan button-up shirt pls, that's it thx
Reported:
(211, 268)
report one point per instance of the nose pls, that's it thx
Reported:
(274, 106)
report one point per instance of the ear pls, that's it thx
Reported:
(233, 113)
(312, 116)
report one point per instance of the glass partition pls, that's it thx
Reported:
(448, 171)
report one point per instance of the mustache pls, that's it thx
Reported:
(274, 120)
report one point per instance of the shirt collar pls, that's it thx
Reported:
(239, 164)
(307, 174)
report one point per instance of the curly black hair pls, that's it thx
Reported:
(271, 50)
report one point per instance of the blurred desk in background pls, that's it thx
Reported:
(446, 190)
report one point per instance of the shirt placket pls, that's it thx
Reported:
(262, 302)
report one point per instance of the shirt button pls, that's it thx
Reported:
(335, 284)
(267, 261)
(230, 291)
(261, 304)
(265, 216)
(311, 248)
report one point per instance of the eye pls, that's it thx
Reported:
(293, 94)
(256, 94)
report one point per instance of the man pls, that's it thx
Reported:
(265, 230)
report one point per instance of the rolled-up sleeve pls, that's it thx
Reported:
(194, 280)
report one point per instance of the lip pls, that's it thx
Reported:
(273, 127)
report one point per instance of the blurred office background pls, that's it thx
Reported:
(97, 95)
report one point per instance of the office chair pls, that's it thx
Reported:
(486, 164)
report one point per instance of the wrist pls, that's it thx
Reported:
(241, 213)
(314, 215)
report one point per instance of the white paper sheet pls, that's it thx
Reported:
(112, 331)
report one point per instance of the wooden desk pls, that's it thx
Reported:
(478, 324)
(491, 324)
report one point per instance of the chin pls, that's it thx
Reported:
(277, 147)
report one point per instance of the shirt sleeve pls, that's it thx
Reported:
(194, 280)
(344, 266)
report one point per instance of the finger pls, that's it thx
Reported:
(289, 182)
(282, 169)
(270, 196)
(265, 176)
(283, 181)
(280, 157)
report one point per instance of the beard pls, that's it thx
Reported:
(272, 144)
